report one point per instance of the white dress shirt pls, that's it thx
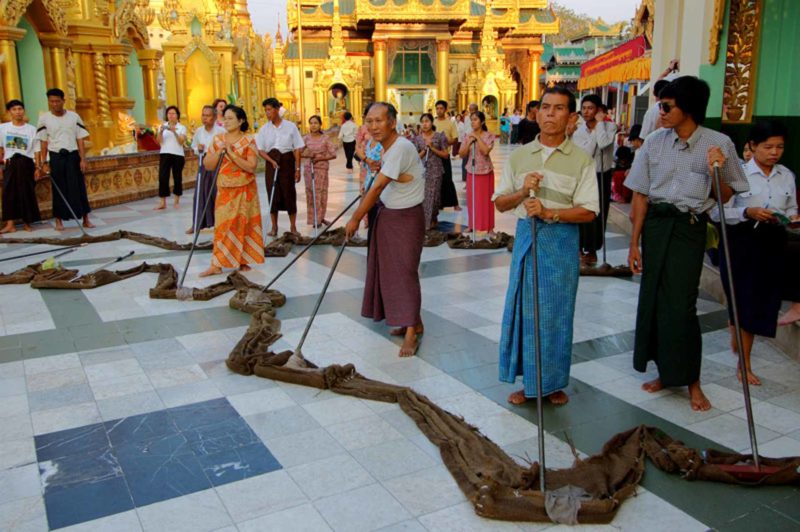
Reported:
(204, 137)
(776, 192)
(598, 143)
(285, 137)
(347, 131)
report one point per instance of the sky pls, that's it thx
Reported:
(266, 13)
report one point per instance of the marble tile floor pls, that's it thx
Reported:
(102, 391)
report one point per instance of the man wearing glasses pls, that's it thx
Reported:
(672, 194)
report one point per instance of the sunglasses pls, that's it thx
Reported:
(666, 107)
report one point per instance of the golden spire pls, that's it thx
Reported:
(488, 42)
(337, 40)
(278, 36)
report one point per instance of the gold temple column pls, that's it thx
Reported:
(380, 70)
(443, 70)
(357, 103)
(242, 82)
(180, 86)
(150, 62)
(215, 80)
(9, 70)
(54, 49)
(533, 79)
(118, 72)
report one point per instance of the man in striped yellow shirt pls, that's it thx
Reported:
(563, 179)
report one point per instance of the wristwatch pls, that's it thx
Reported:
(556, 217)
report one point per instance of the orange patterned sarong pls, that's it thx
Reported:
(237, 234)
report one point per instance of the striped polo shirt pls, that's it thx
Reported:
(569, 177)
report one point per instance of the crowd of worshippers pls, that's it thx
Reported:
(561, 175)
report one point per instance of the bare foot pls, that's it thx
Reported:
(27, 227)
(274, 232)
(177, 202)
(59, 226)
(8, 229)
(457, 208)
(244, 268)
(558, 398)
(160, 207)
(88, 225)
(699, 400)
(790, 317)
(751, 377)
(652, 386)
(294, 231)
(401, 331)
(190, 231)
(410, 346)
(212, 270)
(517, 398)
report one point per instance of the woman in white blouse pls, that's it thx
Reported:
(757, 237)
(172, 137)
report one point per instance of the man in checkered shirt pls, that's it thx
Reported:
(672, 194)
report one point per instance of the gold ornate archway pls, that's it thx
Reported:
(50, 21)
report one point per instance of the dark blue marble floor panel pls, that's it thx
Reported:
(106, 468)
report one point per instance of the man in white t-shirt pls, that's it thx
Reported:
(18, 150)
(62, 135)
(397, 230)
(279, 143)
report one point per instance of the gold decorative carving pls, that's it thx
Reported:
(127, 17)
(101, 10)
(72, 89)
(171, 16)
(117, 60)
(716, 30)
(101, 87)
(196, 44)
(740, 61)
(11, 11)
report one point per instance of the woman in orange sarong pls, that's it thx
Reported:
(238, 241)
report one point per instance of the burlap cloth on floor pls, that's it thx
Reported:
(496, 485)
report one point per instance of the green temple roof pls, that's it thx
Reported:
(311, 50)
(319, 50)
(543, 16)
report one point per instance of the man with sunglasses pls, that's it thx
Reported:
(672, 194)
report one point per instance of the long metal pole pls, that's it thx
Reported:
(321, 297)
(198, 185)
(202, 215)
(603, 205)
(15, 257)
(270, 197)
(64, 199)
(472, 207)
(308, 246)
(314, 195)
(538, 354)
(748, 406)
(302, 70)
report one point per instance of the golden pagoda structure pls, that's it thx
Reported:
(415, 52)
(120, 63)
(131, 57)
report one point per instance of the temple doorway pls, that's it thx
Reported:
(412, 105)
